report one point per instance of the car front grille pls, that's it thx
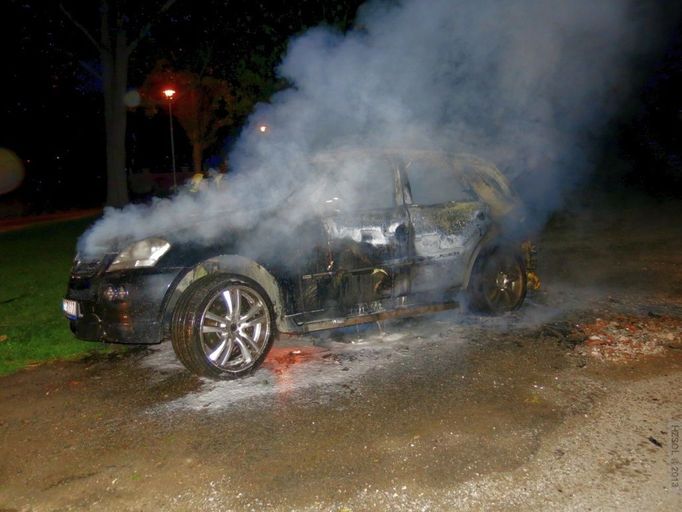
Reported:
(87, 268)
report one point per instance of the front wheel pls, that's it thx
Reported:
(498, 281)
(223, 326)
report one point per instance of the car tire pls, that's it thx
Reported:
(498, 281)
(223, 326)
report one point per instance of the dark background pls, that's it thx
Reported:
(52, 109)
(52, 105)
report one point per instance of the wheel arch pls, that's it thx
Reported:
(489, 241)
(230, 264)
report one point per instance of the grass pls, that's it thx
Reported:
(34, 270)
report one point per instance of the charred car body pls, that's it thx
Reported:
(403, 244)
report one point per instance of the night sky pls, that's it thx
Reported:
(52, 111)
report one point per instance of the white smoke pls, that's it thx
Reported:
(526, 84)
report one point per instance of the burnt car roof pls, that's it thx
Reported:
(487, 183)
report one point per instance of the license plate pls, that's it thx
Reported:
(70, 308)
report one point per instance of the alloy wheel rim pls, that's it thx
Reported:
(504, 285)
(235, 328)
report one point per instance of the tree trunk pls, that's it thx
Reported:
(115, 77)
(197, 156)
(114, 53)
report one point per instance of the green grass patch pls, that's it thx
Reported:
(34, 272)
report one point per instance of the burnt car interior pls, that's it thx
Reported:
(396, 254)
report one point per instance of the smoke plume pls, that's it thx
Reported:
(525, 84)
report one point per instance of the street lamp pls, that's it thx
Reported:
(169, 93)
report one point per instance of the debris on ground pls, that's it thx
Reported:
(280, 359)
(655, 441)
(626, 338)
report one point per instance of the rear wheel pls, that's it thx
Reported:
(498, 281)
(223, 326)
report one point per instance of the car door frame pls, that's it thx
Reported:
(363, 230)
(439, 257)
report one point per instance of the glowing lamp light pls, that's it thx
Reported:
(168, 93)
(263, 128)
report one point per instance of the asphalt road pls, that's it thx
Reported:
(444, 412)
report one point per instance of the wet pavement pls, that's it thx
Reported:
(444, 412)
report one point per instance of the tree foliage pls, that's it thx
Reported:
(202, 104)
(239, 43)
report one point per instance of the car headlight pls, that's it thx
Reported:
(144, 253)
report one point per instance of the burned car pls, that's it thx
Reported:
(405, 233)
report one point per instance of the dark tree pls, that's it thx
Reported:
(116, 39)
(202, 104)
(64, 60)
